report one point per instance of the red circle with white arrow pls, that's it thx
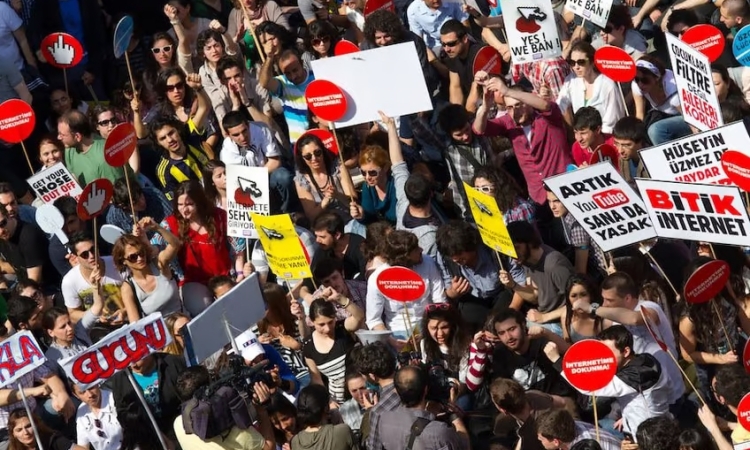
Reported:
(61, 50)
(17, 121)
(95, 198)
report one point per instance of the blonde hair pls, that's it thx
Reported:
(175, 348)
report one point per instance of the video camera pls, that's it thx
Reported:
(438, 382)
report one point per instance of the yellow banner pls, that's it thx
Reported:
(490, 221)
(284, 251)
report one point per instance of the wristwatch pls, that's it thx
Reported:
(594, 307)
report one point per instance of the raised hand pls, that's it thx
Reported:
(194, 81)
(61, 52)
(171, 12)
(95, 201)
(217, 26)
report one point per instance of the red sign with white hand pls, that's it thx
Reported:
(589, 365)
(95, 198)
(61, 50)
(120, 145)
(707, 282)
(325, 136)
(326, 100)
(401, 284)
(17, 121)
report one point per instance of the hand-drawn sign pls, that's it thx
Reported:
(19, 355)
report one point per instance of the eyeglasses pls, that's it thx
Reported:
(437, 307)
(99, 431)
(157, 50)
(323, 40)
(317, 153)
(642, 80)
(86, 253)
(487, 188)
(107, 122)
(578, 62)
(175, 87)
(370, 173)
(134, 257)
(450, 44)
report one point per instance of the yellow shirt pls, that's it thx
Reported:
(740, 438)
(237, 439)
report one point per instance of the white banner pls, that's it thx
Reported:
(696, 212)
(117, 351)
(54, 182)
(696, 158)
(604, 205)
(19, 355)
(531, 30)
(595, 11)
(247, 192)
(695, 85)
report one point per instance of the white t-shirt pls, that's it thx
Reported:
(9, 22)
(670, 89)
(106, 437)
(78, 291)
(262, 146)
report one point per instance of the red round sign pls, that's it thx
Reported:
(589, 365)
(326, 100)
(606, 152)
(95, 198)
(61, 50)
(743, 412)
(707, 39)
(706, 282)
(615, 63)
(737, 167)
(120, 145)
(488, 60)
(344, 47)
(401, 284)
(746, 356)
(373, 5)
(17, 121)
(325, 136)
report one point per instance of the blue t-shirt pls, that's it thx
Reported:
(275, 359)
(70, 10)
(150, 386)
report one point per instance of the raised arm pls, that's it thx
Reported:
(183, 45)
(204, 103)
(394, 143)
(170, 250)
(266, 78)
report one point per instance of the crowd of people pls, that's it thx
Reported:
(476, 361)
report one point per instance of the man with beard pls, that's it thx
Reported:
(547, 273)
(336, 243)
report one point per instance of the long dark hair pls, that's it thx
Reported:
(45, 432)
(152, 67)
(209, 187)
(163, 105)
(203, 207)
(319, 29)
(137, 431)
(457, 343)
(594, 297)
(279, 404)
(299, 161)
(278, 311)
(507, 191)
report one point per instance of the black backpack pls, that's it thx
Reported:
(417, 427)
(208, 418)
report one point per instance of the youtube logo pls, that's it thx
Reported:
(610, 198)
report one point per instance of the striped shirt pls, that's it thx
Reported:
(171, 172)
(333, 363)
(292, 358)
(292, 98)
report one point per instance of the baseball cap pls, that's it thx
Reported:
(248, 345)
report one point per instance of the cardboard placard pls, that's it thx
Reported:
(707, 39)
(123, 33)
(326, 100)
(247, 193)
(741, 46)
(54, 182)
(401, 284)
(95, 198)
(695, 86)
(49, 218)
(696, 212)
(61, 50)
(604, 205)
(19, 355)
(696, 158)
(325, 136)
(488, 60)
(615, 63)
(595, 11)
(371, 84)
(117, 351)
(606, 153)
(737, 167)
(344, 47)
(242, 307)
(706, 282)
(120, 145)
(531, 30)
(589, 365)
(743, 412)
(373, 5)
(285, 253)
(17, 121)
(111, 233)
(490, 222)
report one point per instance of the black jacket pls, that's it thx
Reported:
(169, 368)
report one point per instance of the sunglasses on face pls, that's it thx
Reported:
(318, 41)
(86, 253)
(107, 122)
(315, 154)
(578, 62)
(134, 257)
(157, 50)
(175, 87)
(642, 80)
(370, 173)
(437, 307)
(487, 188)
(450, 44)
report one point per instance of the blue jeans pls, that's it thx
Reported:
(281, 180)
(668, 129)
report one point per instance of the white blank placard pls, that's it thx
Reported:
(388, 79)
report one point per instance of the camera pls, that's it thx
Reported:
(438, 382)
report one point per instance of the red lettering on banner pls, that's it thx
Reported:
(692, 202)
(29, 353)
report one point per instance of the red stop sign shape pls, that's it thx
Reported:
(325, 136)
(606, 152)
(488, 60)
(707, 39)
(95, 198)
(120, 145)
(615, 63)
(326, 100)
(17, 121)
(737, 168)
(589, 365)
(743, 412)
(401, 284)
(61, 50)
(344, 47)
(706, 282)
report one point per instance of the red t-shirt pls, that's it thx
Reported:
(583, 155)
(203, 256)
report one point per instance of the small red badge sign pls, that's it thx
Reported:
(61, 50)
(488, 60)
(401, 284)
(589, 365)
(326, 100)
(344, 47)
(707, 39)
(706, 282)
(325, 136)
(615, 63)
(17, 121)
(737, 167)
(120, 145)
